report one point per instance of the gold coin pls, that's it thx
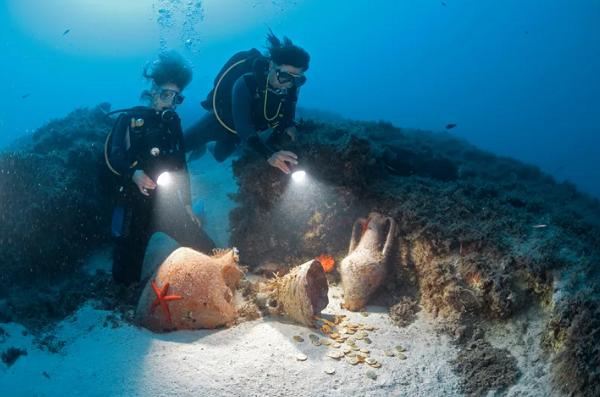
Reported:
(352, 360)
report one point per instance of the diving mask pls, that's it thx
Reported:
(167, 94)
(286, 77)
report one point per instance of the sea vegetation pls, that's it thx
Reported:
(480, 238)
(55, 205)
(54, 197)
(11, 355)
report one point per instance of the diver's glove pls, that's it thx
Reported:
(143, 182)
(283, 160)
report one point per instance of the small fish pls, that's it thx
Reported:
(450, 126)
(444, 3)
(25, 95)
(327, 262)
(541, 226)
(66, 32)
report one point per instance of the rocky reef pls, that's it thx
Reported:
(481, 238)
(54, 199)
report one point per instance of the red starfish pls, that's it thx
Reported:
(162, 298)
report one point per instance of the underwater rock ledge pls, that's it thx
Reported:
(481, 238)
(54, 197)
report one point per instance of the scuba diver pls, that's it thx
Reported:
(251, 94)
(145, 149)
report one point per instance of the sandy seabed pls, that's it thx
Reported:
(251, 359)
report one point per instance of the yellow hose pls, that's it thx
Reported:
(214, 101)
(106, 155)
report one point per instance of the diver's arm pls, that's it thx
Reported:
(242, 118)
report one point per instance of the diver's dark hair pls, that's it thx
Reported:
(286, 52)
(170, 67)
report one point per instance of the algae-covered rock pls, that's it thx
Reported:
(54, 197)
(481, 238)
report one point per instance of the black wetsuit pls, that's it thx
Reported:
(246, 114)
(143, 139)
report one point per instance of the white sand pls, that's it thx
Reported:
(257, 358)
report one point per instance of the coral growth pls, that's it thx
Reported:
(10, 355)
(404, 312)
(573, 335)
(327, 262)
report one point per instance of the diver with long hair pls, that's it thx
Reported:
(253, 93)
(147, 153)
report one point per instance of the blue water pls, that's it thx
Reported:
(520, 78)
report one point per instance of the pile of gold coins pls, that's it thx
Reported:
(341, 337)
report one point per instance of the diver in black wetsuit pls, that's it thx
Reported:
(253, 93)
(147, 152)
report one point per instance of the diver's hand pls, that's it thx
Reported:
(190, 212)
(282, 160)
(291, 131)
(143, 182)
